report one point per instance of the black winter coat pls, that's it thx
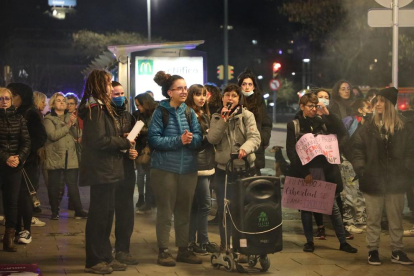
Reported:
(102, 159)
(264, 125)
(315, 126)
(126, 122)
(14, 138)
(384, 166)
(205, 156)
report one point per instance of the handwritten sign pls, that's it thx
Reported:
(309, 146)
(317, 196)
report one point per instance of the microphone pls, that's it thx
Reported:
(228, 107)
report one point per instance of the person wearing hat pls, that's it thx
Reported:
(383, 157)
(254, 102)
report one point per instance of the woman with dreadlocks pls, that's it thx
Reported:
(101, 169)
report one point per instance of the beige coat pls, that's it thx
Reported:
(239, 132)
(59, 143)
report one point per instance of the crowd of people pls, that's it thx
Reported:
(181, 153)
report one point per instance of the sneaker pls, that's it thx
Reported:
(101, 268)
(37, 210)
(199, 250)
(145, 209)
(353, 229)
(347, 248)
(373, 258)
(126, 258)
(400, 257)
(211, 247)
(37, 222)
(320, 233)
(55, 216)
(81, 215)
(165, 259)
(25, 237)
(309, 247)
(117, 266)
(409, 233)
(188, 257)
(348, 235)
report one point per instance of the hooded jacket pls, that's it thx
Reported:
(316, 126)
(384, 165)
(102, 159)
(169, 153)
(239, 132)
(14, 138)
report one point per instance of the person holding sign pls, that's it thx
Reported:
(307, 121)
(383, 159)
(102, 168)
(174, 135)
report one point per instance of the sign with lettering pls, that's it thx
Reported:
(309, 146)
(317, 196)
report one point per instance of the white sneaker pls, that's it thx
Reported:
(37, 222)
(25, 237)
(2, 220)
(409, 233)
(353, 229)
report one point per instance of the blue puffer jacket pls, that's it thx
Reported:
(169, 152)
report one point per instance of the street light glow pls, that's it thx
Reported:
(260, 77)
(306, 60)
(293, 73)
(254, 41)
(271, 104)
(266, 95)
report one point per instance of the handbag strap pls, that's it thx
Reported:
(27, 180)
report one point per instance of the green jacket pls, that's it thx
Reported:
(60, 145)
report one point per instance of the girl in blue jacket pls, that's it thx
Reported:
(173, 135)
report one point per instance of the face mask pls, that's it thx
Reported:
(367, 116)
(324, 101)
(248, 94)
(119, 101)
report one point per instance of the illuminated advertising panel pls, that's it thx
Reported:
(62, 3)
(190, 68)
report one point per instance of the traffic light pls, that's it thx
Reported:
(230, 72)
(276, 69)
(220, 74)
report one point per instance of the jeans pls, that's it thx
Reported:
(99, 224)
(10, 187)
(71, 180)
(335, 217)
(394, 206)
(174, 194)
(124, 213)
(200, 211)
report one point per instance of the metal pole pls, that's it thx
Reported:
(226, 43)
(149, 20)
(395, 11)
(274, 106)
(303, 75)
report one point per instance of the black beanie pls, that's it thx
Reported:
(390, 93)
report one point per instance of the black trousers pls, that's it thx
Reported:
(70, 178)
(99, 224)
(10, 185)
(124, 214)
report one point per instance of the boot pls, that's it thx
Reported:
(8, 244)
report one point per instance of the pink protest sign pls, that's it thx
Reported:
(309, 146)
(317, 196)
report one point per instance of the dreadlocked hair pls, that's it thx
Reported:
(95, 86)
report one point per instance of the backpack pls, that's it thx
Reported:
(166, 116)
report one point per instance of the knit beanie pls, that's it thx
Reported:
(390, 93)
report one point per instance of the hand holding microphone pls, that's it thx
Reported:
(225, 111)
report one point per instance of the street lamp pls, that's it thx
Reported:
(305, 72)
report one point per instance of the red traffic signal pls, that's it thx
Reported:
(276, 68)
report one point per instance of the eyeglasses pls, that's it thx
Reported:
(312, 106)
(179, 88)
(247, 84)
(5, 99)
(71, 104)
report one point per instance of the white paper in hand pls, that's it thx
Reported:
(135, 131)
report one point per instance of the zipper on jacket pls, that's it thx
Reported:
(182, 148)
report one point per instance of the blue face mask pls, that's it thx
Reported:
(119, 101)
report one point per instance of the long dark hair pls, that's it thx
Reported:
(95, 86)
(337, 86)
(197, 89)
(147, 102)
(251, 102)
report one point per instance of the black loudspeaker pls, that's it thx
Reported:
(256, 212)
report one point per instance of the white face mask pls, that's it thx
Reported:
(248, 94)
(324, 101)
